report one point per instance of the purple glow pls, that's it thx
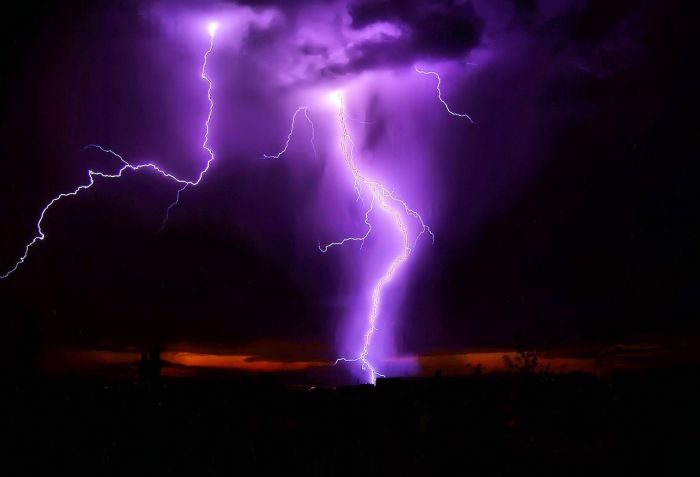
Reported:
(213, 26)
(384, 197)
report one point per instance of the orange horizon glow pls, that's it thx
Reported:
(494, 361)
(237, 362)
(186, 363)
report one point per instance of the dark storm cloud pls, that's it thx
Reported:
(595, 91)
(434, 29)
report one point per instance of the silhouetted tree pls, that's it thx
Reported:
(527, 358)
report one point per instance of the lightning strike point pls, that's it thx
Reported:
(213, 26)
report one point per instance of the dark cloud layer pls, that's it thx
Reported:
(600, 244)
(431, 29)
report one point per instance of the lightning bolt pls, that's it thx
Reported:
(205, 145)
(305, 110)
(127, 166)
(439, 92)
(394, 207)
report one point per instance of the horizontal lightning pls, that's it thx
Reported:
(91, 175)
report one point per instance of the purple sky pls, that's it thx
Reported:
(564, 214)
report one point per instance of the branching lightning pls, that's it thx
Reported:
(305, 110)
(439, 92)
(127, 166)
(361, 238)
(397, 209)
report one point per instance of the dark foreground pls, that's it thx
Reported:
(564, 425)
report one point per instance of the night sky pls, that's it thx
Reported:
(565, 216)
